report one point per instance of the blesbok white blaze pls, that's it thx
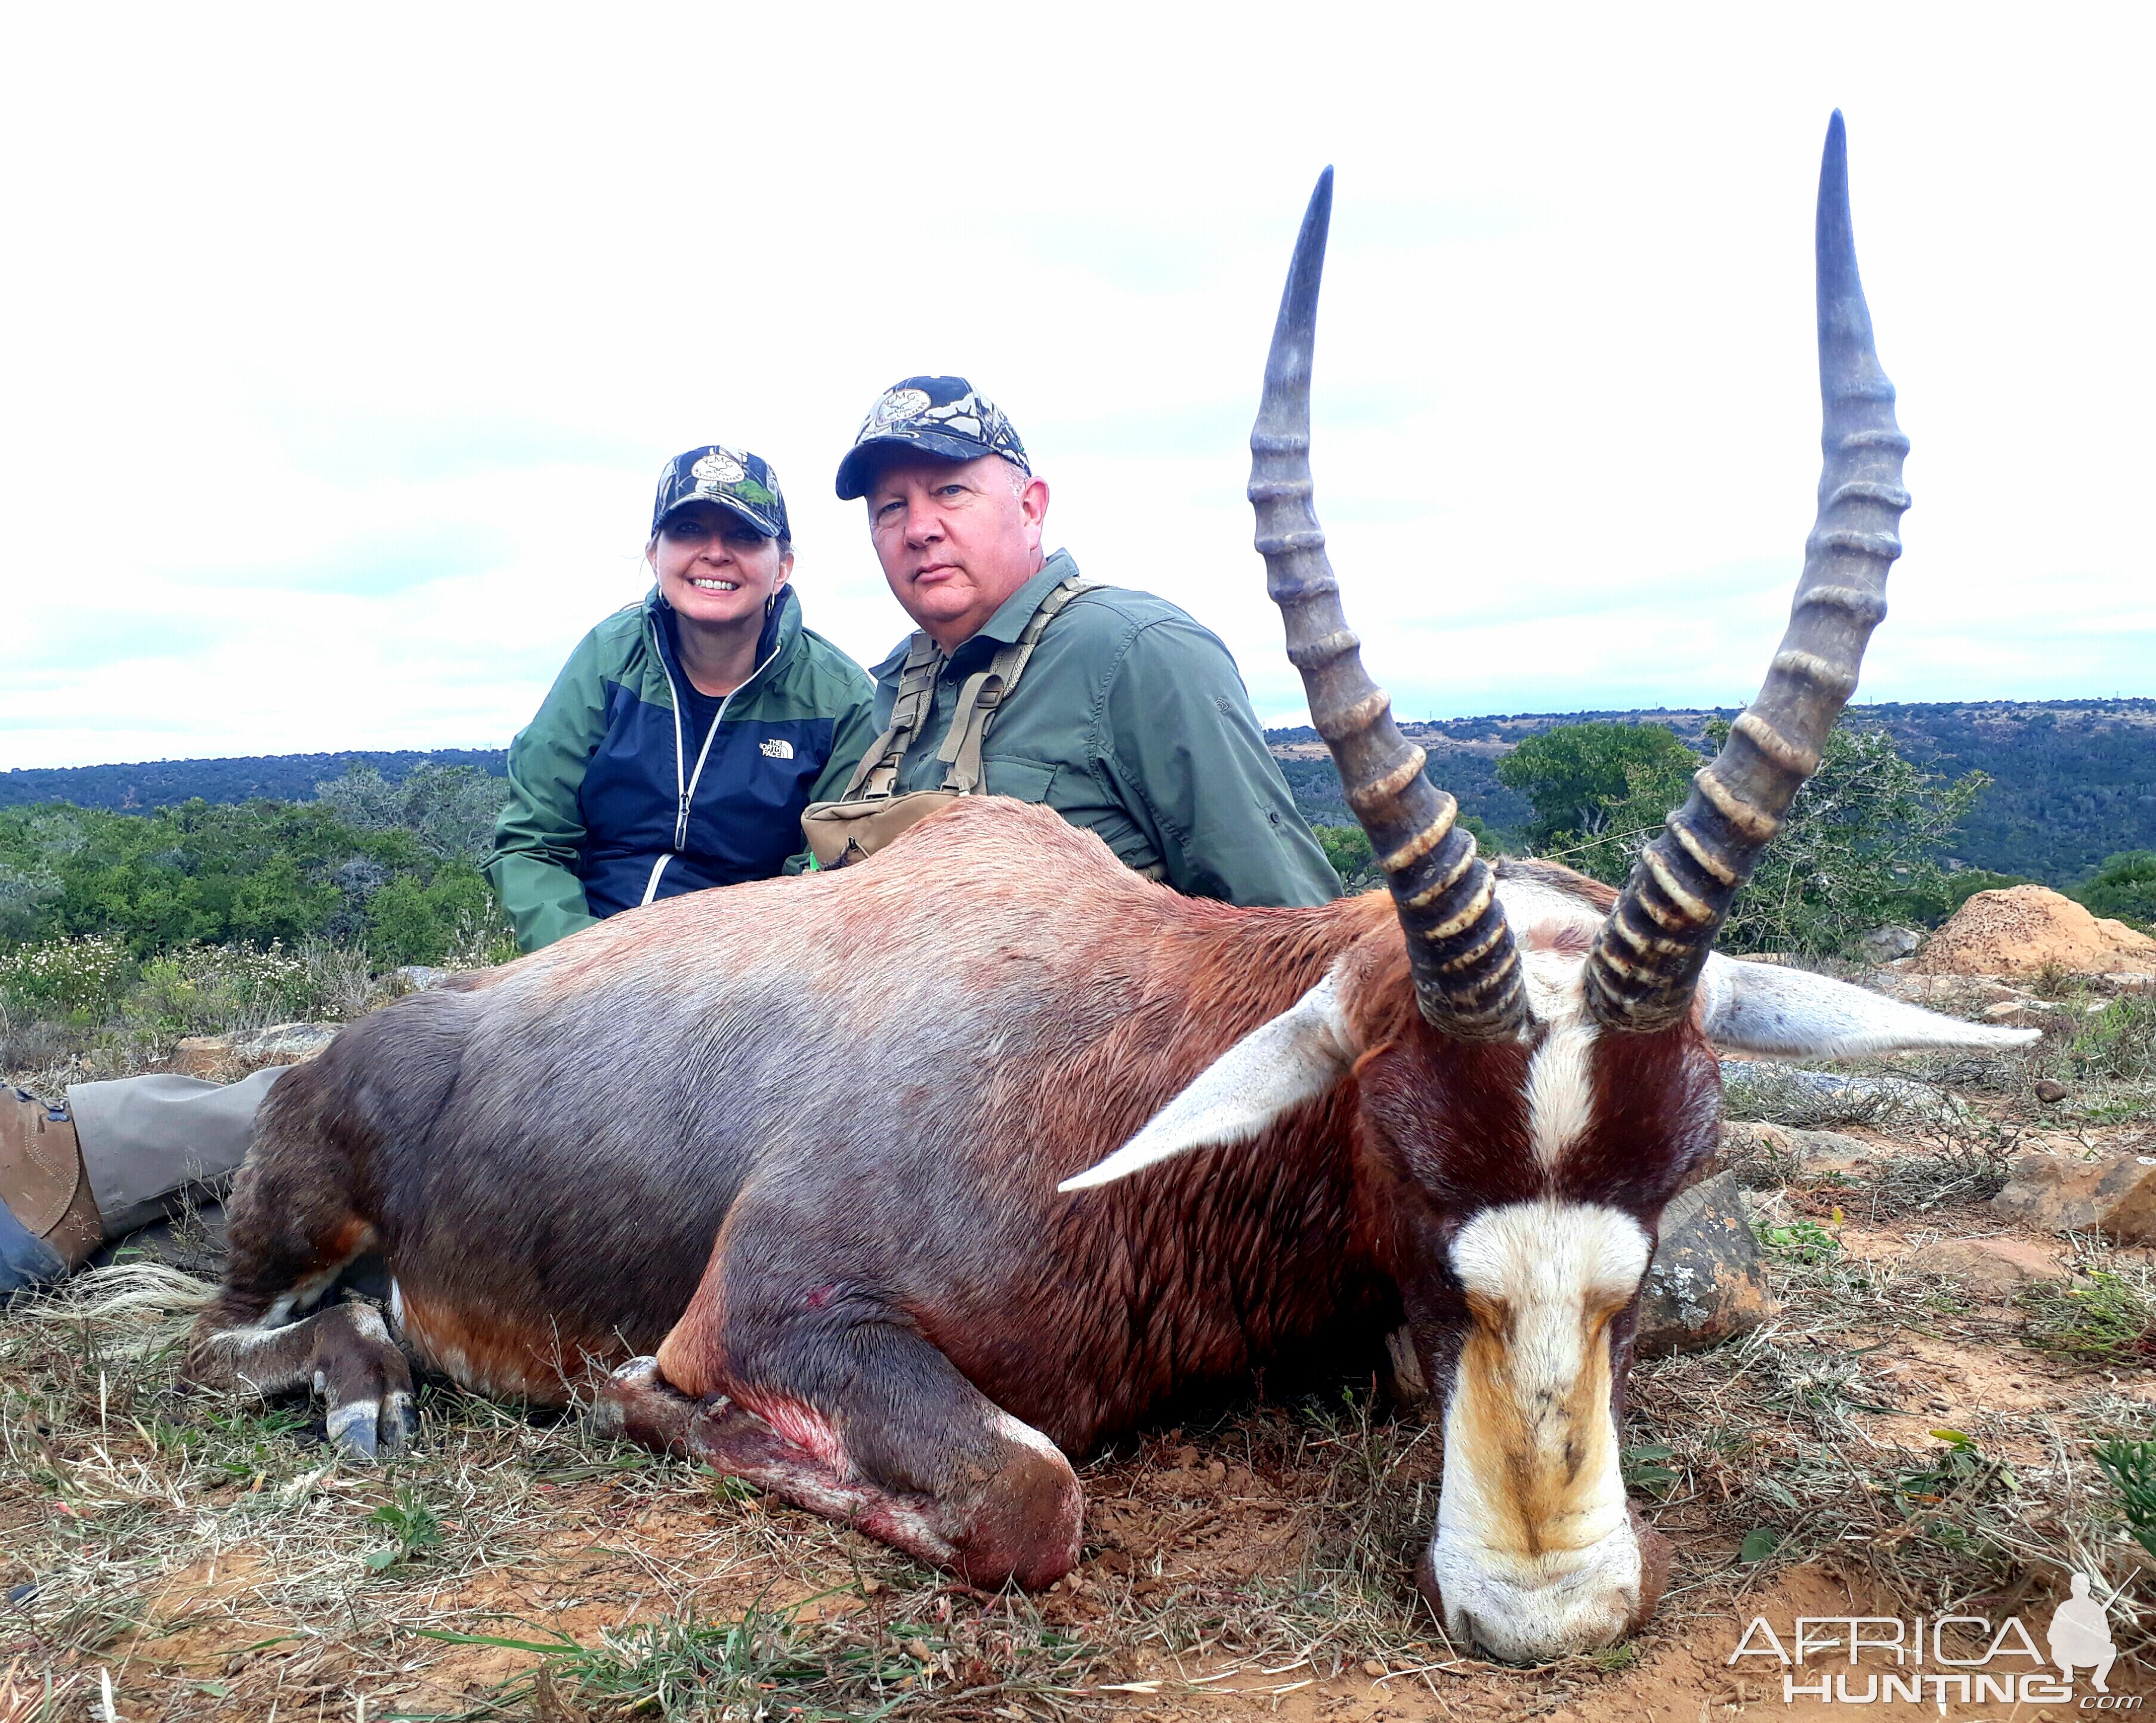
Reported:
(1534, 1545)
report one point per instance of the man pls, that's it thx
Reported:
(1127, 718)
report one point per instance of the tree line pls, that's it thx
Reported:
(389, 866)
(1866, 843)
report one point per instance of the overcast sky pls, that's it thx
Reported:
(342, 345)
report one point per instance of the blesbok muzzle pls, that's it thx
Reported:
(1535, 1551)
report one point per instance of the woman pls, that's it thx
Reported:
(687, 733)
(677, 750)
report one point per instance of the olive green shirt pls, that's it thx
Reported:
(1130, 721)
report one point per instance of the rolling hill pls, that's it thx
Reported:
(2073, 781)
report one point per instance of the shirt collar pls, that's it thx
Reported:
(1015, 612)
(1011, 615)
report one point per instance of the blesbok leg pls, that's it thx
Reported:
(870, 1425)
(291, 1234)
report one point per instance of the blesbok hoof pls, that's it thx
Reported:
(343, 1353)
(375, 1429)
(365, 1380)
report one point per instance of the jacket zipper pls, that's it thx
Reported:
(686, 793)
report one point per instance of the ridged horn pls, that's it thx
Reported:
(1460, 951)
(1646, 959)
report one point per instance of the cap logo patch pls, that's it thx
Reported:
(720, 468)
(776, 747)
(895, 407)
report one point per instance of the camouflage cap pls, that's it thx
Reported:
(943, 416)
(741, 484)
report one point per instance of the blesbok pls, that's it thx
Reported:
(912, 1178)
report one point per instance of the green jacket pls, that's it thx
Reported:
(1130, 721)
(614, 801)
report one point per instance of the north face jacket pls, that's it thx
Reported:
(616, 800)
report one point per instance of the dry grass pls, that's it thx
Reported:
(1800, 1438)
(213, 1559)
(201, 1552)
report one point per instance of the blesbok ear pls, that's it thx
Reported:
(1765, 1008)
(1295, 1058)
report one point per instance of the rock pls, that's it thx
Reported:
(1990, 1268)
(1746, 1139)
(1763, 1156)
(2027, 931)
(2052, 1022)
(2115, 1195)
(418, 978)
(1884, 944)
(282, 1043)
(1706, 1284)
(2051, 1091)
(1760, 1156)
(226, 1059)
(2128, 982)
(1833, 1145)
(1788, 1097)
(205, 1056)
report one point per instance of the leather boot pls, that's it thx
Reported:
(42, 1180)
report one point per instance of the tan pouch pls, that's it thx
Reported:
(842, 831)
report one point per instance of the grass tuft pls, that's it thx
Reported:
(2131, 1467)
(2105, 1318)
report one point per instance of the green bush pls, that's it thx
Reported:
(2131, 1467)
(1348, 848)
(1855, 850)
(73, 980)
(261, 875)
(200, 990)
(409, 923)
(450, 809)
(2123, 889)
(1597, 787)
(2119, 1042)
